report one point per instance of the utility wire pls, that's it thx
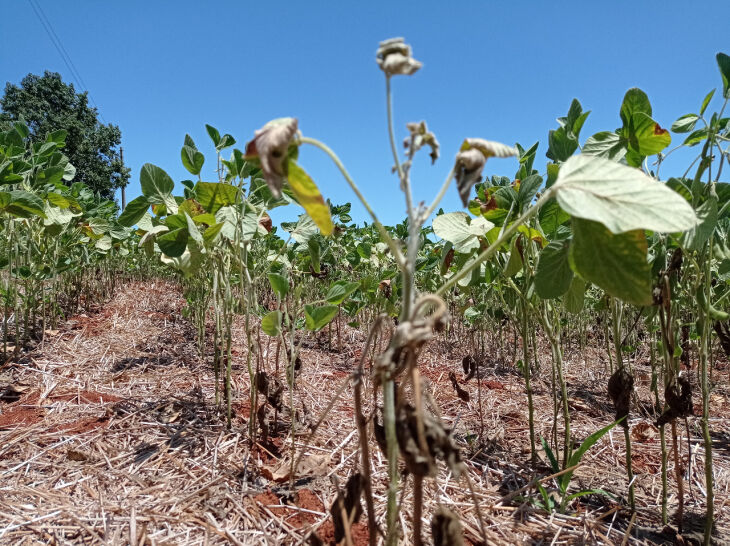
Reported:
(56, 41)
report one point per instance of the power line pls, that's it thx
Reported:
(56, 41)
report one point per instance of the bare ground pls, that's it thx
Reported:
(109, 434)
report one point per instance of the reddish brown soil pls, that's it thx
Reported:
(85, 397)
(82, 425)
(305, 498)
(20, 417)
(358, 531)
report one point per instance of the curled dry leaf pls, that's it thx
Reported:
(469, 364)
(348, 505)
(394, 58)
(461, 393)
(471, 159)
(620, 387)
(271, 388)
(678, 396)
(438, 440)
(271, 144)
(265, 222)
(419, 137)
(446, 528)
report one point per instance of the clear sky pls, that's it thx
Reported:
(496, 70)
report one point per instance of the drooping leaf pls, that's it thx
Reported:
(575, 295)
(554, 276)
(271, 323)
(279, 284)
(620, 197)
(173, 243)
(615, 262)
(309, 197)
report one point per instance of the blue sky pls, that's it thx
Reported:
(496, 70)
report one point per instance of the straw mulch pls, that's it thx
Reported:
(109, 434)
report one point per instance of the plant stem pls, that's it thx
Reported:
(387, 239)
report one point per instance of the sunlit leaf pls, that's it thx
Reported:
(309, 197)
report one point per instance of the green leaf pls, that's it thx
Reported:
(695, 238)
(685, 124)
(554, 276)
(58, 200)
(577, 455)
(460, 230)
(194, 232)
(214, 195)
(134, 211)
(22, 204)
(308, 196)
(173, 243)
(575, 296)
(616, 263)
(514, 264)
(213, 133)
(317, 317)
(695, 137)
(561, 145)
(551, 216)
(605, 144)
(620, 197)
(314, 253)
(647, 137)
(528, 189)
(192, 159)
(706, 101)
(58, 137)
(339, 290)
(157, 186)
(271, 324)
(635, 101)
(279, 284)
(554, 466)
(723, 62)
(104, 244)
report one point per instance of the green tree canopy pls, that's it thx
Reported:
(47, 104)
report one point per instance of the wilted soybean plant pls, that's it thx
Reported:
(610, 204)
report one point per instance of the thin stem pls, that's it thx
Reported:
(397, 254)
(439, 196)
(405, 183)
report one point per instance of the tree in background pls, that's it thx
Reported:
(47, 104)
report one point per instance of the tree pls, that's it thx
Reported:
(47, 104)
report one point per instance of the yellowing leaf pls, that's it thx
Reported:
(308, 196)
